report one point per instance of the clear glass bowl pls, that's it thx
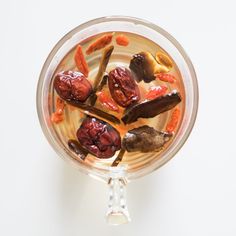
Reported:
(118, 176)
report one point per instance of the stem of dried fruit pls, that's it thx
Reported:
(100, 43)
(80, 61)
(94, 111)
(93, 96)
(76, 147)
(103, 65)
(118, 158)
(99, 80)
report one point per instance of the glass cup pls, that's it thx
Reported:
(117, 177)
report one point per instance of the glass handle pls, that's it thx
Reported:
(117, 212)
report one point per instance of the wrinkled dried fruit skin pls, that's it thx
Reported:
(72, 85)
(145, 67)
(122, 87)
(98, 137)
(144, 139)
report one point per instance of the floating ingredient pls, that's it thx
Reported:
(99, 137)
(122, 40)
(174, 119)
(163, 59)
(107, 101)
(58, 116)
(145, 67)
(156, 91)
(100, 43)
(144, 139)
(118, 158)
(166, 78)
(80, 61)
(75, 147)
(72, 85)
(123, 87)
(93, 96)
(94, 111)
(152, 108)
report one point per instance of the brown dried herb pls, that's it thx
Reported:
(151, 108)
(144, 139)
(77, 148)
(94, 111)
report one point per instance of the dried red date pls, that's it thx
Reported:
(98, 137)
(72, 85)
(122, 87)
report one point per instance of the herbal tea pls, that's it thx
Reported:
(116, 99)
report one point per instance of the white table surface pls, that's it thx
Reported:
(194, 194)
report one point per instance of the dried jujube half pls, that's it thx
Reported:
(72, 85)
(144, 139)
(145, 67)
(99, 137)
(151, 108)
(123, 87)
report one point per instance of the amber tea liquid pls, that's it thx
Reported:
(121, 56)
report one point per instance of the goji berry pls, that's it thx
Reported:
(155, 92)
(107, 102)
(81, 62)
(57, 118)
(99, 43)
(172, 124)
(60, 105)
(166, 77)
(122, 40)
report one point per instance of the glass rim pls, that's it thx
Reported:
(60, 43)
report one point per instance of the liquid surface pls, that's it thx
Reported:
(121, 56)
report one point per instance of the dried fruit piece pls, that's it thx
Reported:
(72, 85)
(94, 111)
(93, 96)
(60, 105)
(151, 108)
(144, 139)
(80, 61)
(172, 124)
(156, 91)
(100, 43)
(99, 138)
(145, 67)
(163, 59)
(75, 147)
(122, 87)
(166, 78)
(107, 102)
(99, 77)
(57, 118)
(122, 40)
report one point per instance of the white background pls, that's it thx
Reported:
(194, 194)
